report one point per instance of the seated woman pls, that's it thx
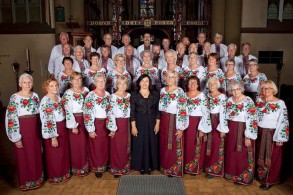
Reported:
(273, 132)
(145, 124)
(55, 134)
(253, 80)
(23, 127)
(119, 126)
(174, 120)
(239, 147)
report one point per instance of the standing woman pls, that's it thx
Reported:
(174, 120)
(73, 100)
(213, 70)
(230, 74)
(253, 80)
(79, 62)
(91, 71)
(145, 124)
(118, 124)
(55, 133)
(148, 68)
(273, 132)
(171, 58)
(239, 149)
(63, 77)
(214, 165)
(119, 70)
(199, 125)
(22, 128)
(95, 113)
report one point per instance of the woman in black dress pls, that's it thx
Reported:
(145, 123)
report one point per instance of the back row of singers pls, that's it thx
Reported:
(197, 132)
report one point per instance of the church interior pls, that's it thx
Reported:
(32, 27)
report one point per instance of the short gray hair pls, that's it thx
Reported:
(146, 51)
(25, 75)
(100, 75)
(214, 79)
(235, 83)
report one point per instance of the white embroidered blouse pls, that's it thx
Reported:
(175, 103)
(51, 112)
(243, 111)
(19, 106)
(119, 108)
(274, 115)
(95, 107)
(152, 72)
(90, 75)
(73, 103)
(197, 106)
(253, 84)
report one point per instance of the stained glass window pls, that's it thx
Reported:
(288, 11)
(273, 11)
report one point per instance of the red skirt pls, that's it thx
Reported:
(120, 148)
(99, 147)
(269, 173)
(194, 147)
(215, 152)
(78, 149)
(171, 148)
(239, 165)
(57, 159)
(29, 158)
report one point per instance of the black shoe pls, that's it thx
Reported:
(142, 172)
(116, 176)
(148, 172)
(209, 176)
(98, 175)
(264, 186)
(170, 176)
(193, 175)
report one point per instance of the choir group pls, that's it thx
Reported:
(199, 108)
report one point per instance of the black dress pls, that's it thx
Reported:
(145, 151)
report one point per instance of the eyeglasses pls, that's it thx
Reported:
(267, 88)
(171, 77)
(237, 89)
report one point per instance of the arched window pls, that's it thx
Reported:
(273, 11)
(288, 11)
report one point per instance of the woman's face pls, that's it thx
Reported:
(67, 64)
(53, 88)
(171, 79)
(26, 84)
(253, 67)
(122, 85)
(192, 85)
(77, 81)
(213, 86)
(236, 91)
(268, 90)
(100, 83)
(95, 60)
(78, 53)
(170, 59)
(120, 62)
(212, 61)
(146, 58)
(192, 59)
(144, 83)
(230, 66)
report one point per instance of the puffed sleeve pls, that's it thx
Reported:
(282, 129)
(11, 120)
(205, 121)
(223, 124)
(251, 120)
(111, 124)
(49, 126)
(182, 119)
(68, 102)
(89, 113)
(133, 106)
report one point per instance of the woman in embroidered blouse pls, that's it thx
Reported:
(213, 70)
(145, 123)
(273, 126)
(239, 147)
(118, 71)
(22, 128)
(73, 100)
(214, 164)
(63, 77)
(95, 117)
(230, 74)
(147, 68)
(79, 60)
(174, 120)
(253, 80)
(118, 124)
(171, 58)
(199, 125)
(91, 71)
(193, 69)
(55, 133)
